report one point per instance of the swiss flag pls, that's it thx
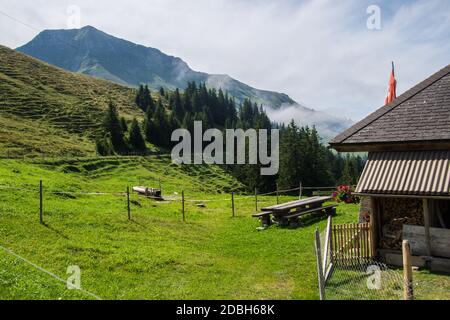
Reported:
(392, 86)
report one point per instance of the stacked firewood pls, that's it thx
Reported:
(396, 212)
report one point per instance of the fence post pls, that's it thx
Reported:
(300, 190)
(128, 203)
(327, 245)
(256, 199)
(232, 202)
(277, 195)
(182, 204)
(408, 292)
(320, 276)
(41, 209)
(373, 244)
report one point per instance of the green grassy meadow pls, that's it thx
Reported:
(156, 255)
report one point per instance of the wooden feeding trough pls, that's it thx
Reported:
(149, 192)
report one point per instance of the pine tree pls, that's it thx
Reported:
(113, 129)
(290, 157)
(188, 122)
(148, 125)
(102, 147)
(139, 95)
(161, 134)
(346, 178)
(148, 100)
(178, 105)
(135, 138)
(123, 124)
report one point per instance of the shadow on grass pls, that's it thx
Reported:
(143, 226)
(307, 221)
(58, 232)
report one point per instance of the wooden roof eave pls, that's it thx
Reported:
(406, 196)
(392, 146)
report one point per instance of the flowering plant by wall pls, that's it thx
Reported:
(344, 194)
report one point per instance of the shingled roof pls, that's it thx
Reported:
(420, 117)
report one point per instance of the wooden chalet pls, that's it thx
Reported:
(406, 180)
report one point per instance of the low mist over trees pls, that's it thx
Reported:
(303, 158)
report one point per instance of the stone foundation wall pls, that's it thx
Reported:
(365, 209)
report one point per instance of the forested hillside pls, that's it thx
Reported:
(303, 158)
(48, 111)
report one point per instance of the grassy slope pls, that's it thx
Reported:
(156, 255)
(49, 110)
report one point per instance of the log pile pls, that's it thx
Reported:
(395, 212)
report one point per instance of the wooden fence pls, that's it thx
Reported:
(343, 245)
(352, 243)
(350, 246)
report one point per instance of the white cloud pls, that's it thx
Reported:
(327, 125)
(319, 52)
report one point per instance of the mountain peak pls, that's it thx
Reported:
(91, 51)
(89, 27)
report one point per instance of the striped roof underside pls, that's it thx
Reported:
(424, 173)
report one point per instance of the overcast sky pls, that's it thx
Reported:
(321, 53)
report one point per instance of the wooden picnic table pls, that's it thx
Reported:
(282, 213)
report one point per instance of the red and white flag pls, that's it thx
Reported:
(392, 87)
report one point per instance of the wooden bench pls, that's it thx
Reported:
(264, 217)
(293, 218)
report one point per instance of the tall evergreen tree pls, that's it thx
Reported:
(157, 129)
(178, 105)
(113, 129)
(144, 98)
(123, 124)
(135, 138)
(148, 125)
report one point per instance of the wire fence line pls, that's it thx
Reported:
(53, 275)
(165, 198)
(42, 193)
